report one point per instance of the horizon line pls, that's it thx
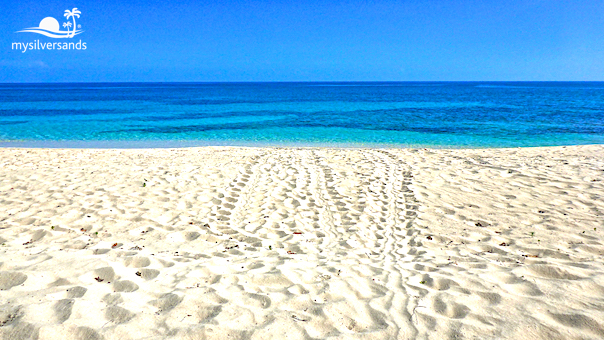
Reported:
(305, 81)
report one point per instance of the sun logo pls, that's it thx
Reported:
(49, 26)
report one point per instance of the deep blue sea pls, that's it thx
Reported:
(387, 114)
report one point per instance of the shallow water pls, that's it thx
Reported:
(399, 114)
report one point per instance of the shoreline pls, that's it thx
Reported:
(329, 147)
(184, 144)
(302, 242)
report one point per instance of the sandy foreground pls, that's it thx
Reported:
(302, 243)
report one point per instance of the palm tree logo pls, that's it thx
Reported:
(50, 27)
(72, 14)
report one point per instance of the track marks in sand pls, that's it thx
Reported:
(309, 238)
(298, 244)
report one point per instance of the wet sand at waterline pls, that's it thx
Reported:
(302, 243)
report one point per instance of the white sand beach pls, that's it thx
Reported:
(302, 243)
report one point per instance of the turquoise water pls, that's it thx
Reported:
(399, 114)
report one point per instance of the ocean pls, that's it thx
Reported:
(337, 114)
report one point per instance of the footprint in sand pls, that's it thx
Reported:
(11, 279)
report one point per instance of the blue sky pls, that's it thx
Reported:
(310, 40)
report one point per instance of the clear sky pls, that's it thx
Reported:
(307, 40)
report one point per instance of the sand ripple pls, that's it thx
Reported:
(252, 243)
